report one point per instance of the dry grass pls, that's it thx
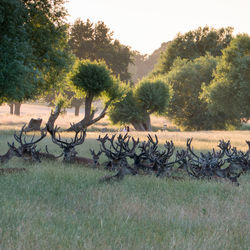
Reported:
(60, 206)
(29, 111)
(201, 141)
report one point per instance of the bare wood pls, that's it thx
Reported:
(34, 125)
(89, 119)
(53, 116)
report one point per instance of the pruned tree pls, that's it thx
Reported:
(92, 80)
(150, 96)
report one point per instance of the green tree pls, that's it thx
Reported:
(92, 80)
(186, 79)
(95, 42)
(194, 44)
(18, 76)
(228, 95)
(33, 48)
(48, 36)
(150, 96)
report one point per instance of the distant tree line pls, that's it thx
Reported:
(143, 65)
(208, 71)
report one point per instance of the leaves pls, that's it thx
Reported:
(95, 42)
(33, 48)
(186, 79)
(92, 78)
(150, 96)
(228, 93)
(194, 44)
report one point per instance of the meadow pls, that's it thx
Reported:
(63, 206)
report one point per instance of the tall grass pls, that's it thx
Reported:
(63, 206)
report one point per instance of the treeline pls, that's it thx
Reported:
(200, 79)
(207, 74)
(142, 65)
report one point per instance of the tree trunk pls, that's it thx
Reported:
(88, 104)
(147, 123)
(138, 126)
(52, 118)
(89, 116)
(17, 108)
(143, 126)
(11, 108)
(77, 110)
(34, 125)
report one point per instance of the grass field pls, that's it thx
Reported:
(60, 206)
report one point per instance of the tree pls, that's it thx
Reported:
(18, 77)
(33, 48)
(228, 95)
(95, 42)
(186, 79)
(92, 80)
(48, 35)
(150, 96)
(194, 44)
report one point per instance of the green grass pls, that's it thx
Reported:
(60, 206)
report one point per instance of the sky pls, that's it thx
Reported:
(145, 24)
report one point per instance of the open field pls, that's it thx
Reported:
(28, 111)
(62, 206)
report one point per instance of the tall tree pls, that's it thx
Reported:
(33, 47)
(150, 96)
(48, 36)
(228, 95)
(18, 76)
(186, 79)
(95, 42)
(194, 44)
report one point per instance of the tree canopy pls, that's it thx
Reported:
(95, 42)
(94, 79)
(194, 44)
(186, 79)
(150, 96)
(16, 67)
(229, 92)
(33, 47)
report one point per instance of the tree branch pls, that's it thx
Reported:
(53, 116)
(103, 113)
(87, 121)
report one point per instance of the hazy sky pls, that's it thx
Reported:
(145, 24)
